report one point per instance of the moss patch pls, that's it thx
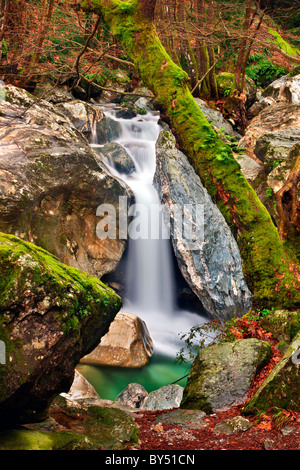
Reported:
(284, 45)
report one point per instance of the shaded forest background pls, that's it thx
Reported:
(53, 41)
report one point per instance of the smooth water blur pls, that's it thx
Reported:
(150, 284)
(110, 381)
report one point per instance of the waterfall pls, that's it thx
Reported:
(150, 284)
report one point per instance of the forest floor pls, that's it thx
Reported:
(277, 430)
(264, 434)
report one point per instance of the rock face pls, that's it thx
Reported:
(52, 315)
(82, 115)
(273, 140)
(51, 184)
(212, 268)
(284, 90)
(281, 388)
(221, 374)
(127, 344)
(164, 398)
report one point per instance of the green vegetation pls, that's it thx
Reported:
(96, 428)
(263, 70)
(284, 45)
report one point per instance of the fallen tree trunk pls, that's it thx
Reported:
(271, 271)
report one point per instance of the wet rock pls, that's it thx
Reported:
(221, 374)
(127, 344)
(166, 397)
(133, 395)
(107, 130)
(208, 258)
(118, 157)
(126, 113)
(82, 115)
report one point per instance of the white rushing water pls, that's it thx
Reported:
(150, 285)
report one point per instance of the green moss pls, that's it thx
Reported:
(76, 294)
(96, 428)
(281, 388)
(284, 45)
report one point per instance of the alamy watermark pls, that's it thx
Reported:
(2, 352)
(2, 91)
(144, 222)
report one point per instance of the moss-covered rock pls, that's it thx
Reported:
(51, 315)
(221, 375)
(226, 84)
(75, 429)
(283, 325)
(281, 388)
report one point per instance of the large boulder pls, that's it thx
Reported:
(126, 344)
(51, 316)
(212, 265)
(221, 374)
(51, 184)
(281, 388)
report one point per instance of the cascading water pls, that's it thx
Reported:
(149, 277)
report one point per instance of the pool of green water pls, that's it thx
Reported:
(110, 381)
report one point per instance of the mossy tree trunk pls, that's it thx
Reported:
(271, 271)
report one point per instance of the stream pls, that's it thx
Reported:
(150, 280)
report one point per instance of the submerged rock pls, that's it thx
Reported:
(127, 344)
(52, 315)
(209, 261)
(221, 374)
(51, 184)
